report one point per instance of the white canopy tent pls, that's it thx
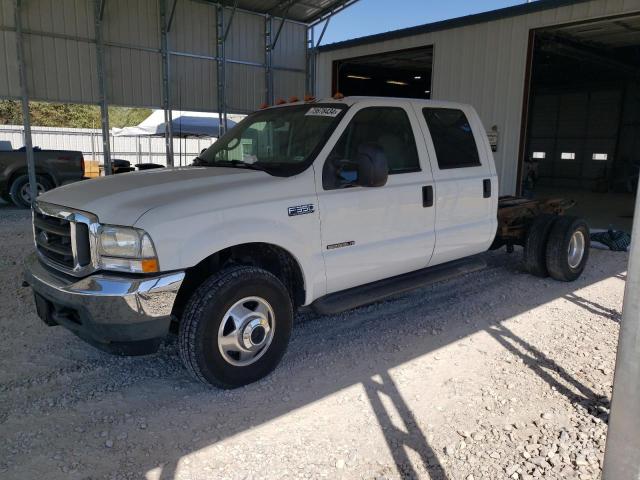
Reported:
(183, 124)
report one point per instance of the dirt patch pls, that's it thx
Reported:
(494, 375)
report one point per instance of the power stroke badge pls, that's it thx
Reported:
(301, 210)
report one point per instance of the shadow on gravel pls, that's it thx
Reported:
(406, 320)
(542, 365)
(594, 308)
(398, 439)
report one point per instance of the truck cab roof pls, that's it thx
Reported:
(353, 100)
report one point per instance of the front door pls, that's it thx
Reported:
(376, 232)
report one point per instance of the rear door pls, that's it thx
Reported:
(466, 185)
(376, 232)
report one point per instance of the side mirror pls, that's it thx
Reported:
(372, 166)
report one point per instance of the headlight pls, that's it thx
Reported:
(126, 249)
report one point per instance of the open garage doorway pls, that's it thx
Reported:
(402, 73)
(583, 130)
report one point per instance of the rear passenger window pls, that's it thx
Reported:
(387, 127)
(452, 138)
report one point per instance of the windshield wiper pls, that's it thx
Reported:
(238, 164)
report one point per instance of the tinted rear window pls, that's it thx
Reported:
(452, 138)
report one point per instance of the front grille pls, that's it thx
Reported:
(53, 236)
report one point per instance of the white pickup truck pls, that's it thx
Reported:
(330, 204)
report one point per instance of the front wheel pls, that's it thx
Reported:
(236, 327)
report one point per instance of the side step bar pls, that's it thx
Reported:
(376, 291)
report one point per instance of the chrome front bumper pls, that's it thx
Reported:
(123, 314)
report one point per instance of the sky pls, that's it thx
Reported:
(367, 17)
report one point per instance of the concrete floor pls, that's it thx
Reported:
(601, 210)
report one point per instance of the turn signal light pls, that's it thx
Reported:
(150, 265)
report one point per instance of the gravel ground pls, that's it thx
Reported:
(494, 375)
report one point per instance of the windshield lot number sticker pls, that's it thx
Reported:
(323, 112)
(301, 210)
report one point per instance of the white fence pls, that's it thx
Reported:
(89, 142)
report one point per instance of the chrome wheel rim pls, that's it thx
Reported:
(576, 249)
(246, 331)
(25, 191)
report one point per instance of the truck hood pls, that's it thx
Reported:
(122, 199)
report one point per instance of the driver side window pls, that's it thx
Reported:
(388, 128)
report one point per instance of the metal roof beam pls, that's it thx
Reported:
(286, 4)
(324, 29)
(330, 12)
(233, 12)
(171, 14)
(284, 19)
(102, 5)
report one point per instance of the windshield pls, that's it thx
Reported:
(281, 141)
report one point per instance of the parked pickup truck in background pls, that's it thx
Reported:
(53, 169)
(330, 204)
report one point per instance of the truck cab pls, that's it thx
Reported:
(328, 204)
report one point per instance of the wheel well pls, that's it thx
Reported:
(271, 258)
(23, 171)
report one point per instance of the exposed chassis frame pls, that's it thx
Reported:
(515, 215)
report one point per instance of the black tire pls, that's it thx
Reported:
(535, 246)
(203, 316)
(558, 248)
(20, 183)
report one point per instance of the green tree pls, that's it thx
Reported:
(46, 114)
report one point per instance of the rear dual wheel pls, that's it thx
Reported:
(568, 248)
(557, 246)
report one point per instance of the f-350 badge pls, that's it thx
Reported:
(301, 210)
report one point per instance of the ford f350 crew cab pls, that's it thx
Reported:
(329, 204)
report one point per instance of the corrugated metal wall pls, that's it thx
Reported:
(60, 54)
(483, 65)
(89, 142)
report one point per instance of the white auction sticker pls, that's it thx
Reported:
(324, 112)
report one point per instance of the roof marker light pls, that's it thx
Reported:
(281, 101)
(338, 96)
(309, 98)
(263, 106)
(294, 99)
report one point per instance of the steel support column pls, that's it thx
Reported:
(166, 72)
(268, 49)
(621, 459)
(102, 87)
(309, 63)
(312, 54)
(221, 62)
(24, 94)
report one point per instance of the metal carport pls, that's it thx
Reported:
(223, 56)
